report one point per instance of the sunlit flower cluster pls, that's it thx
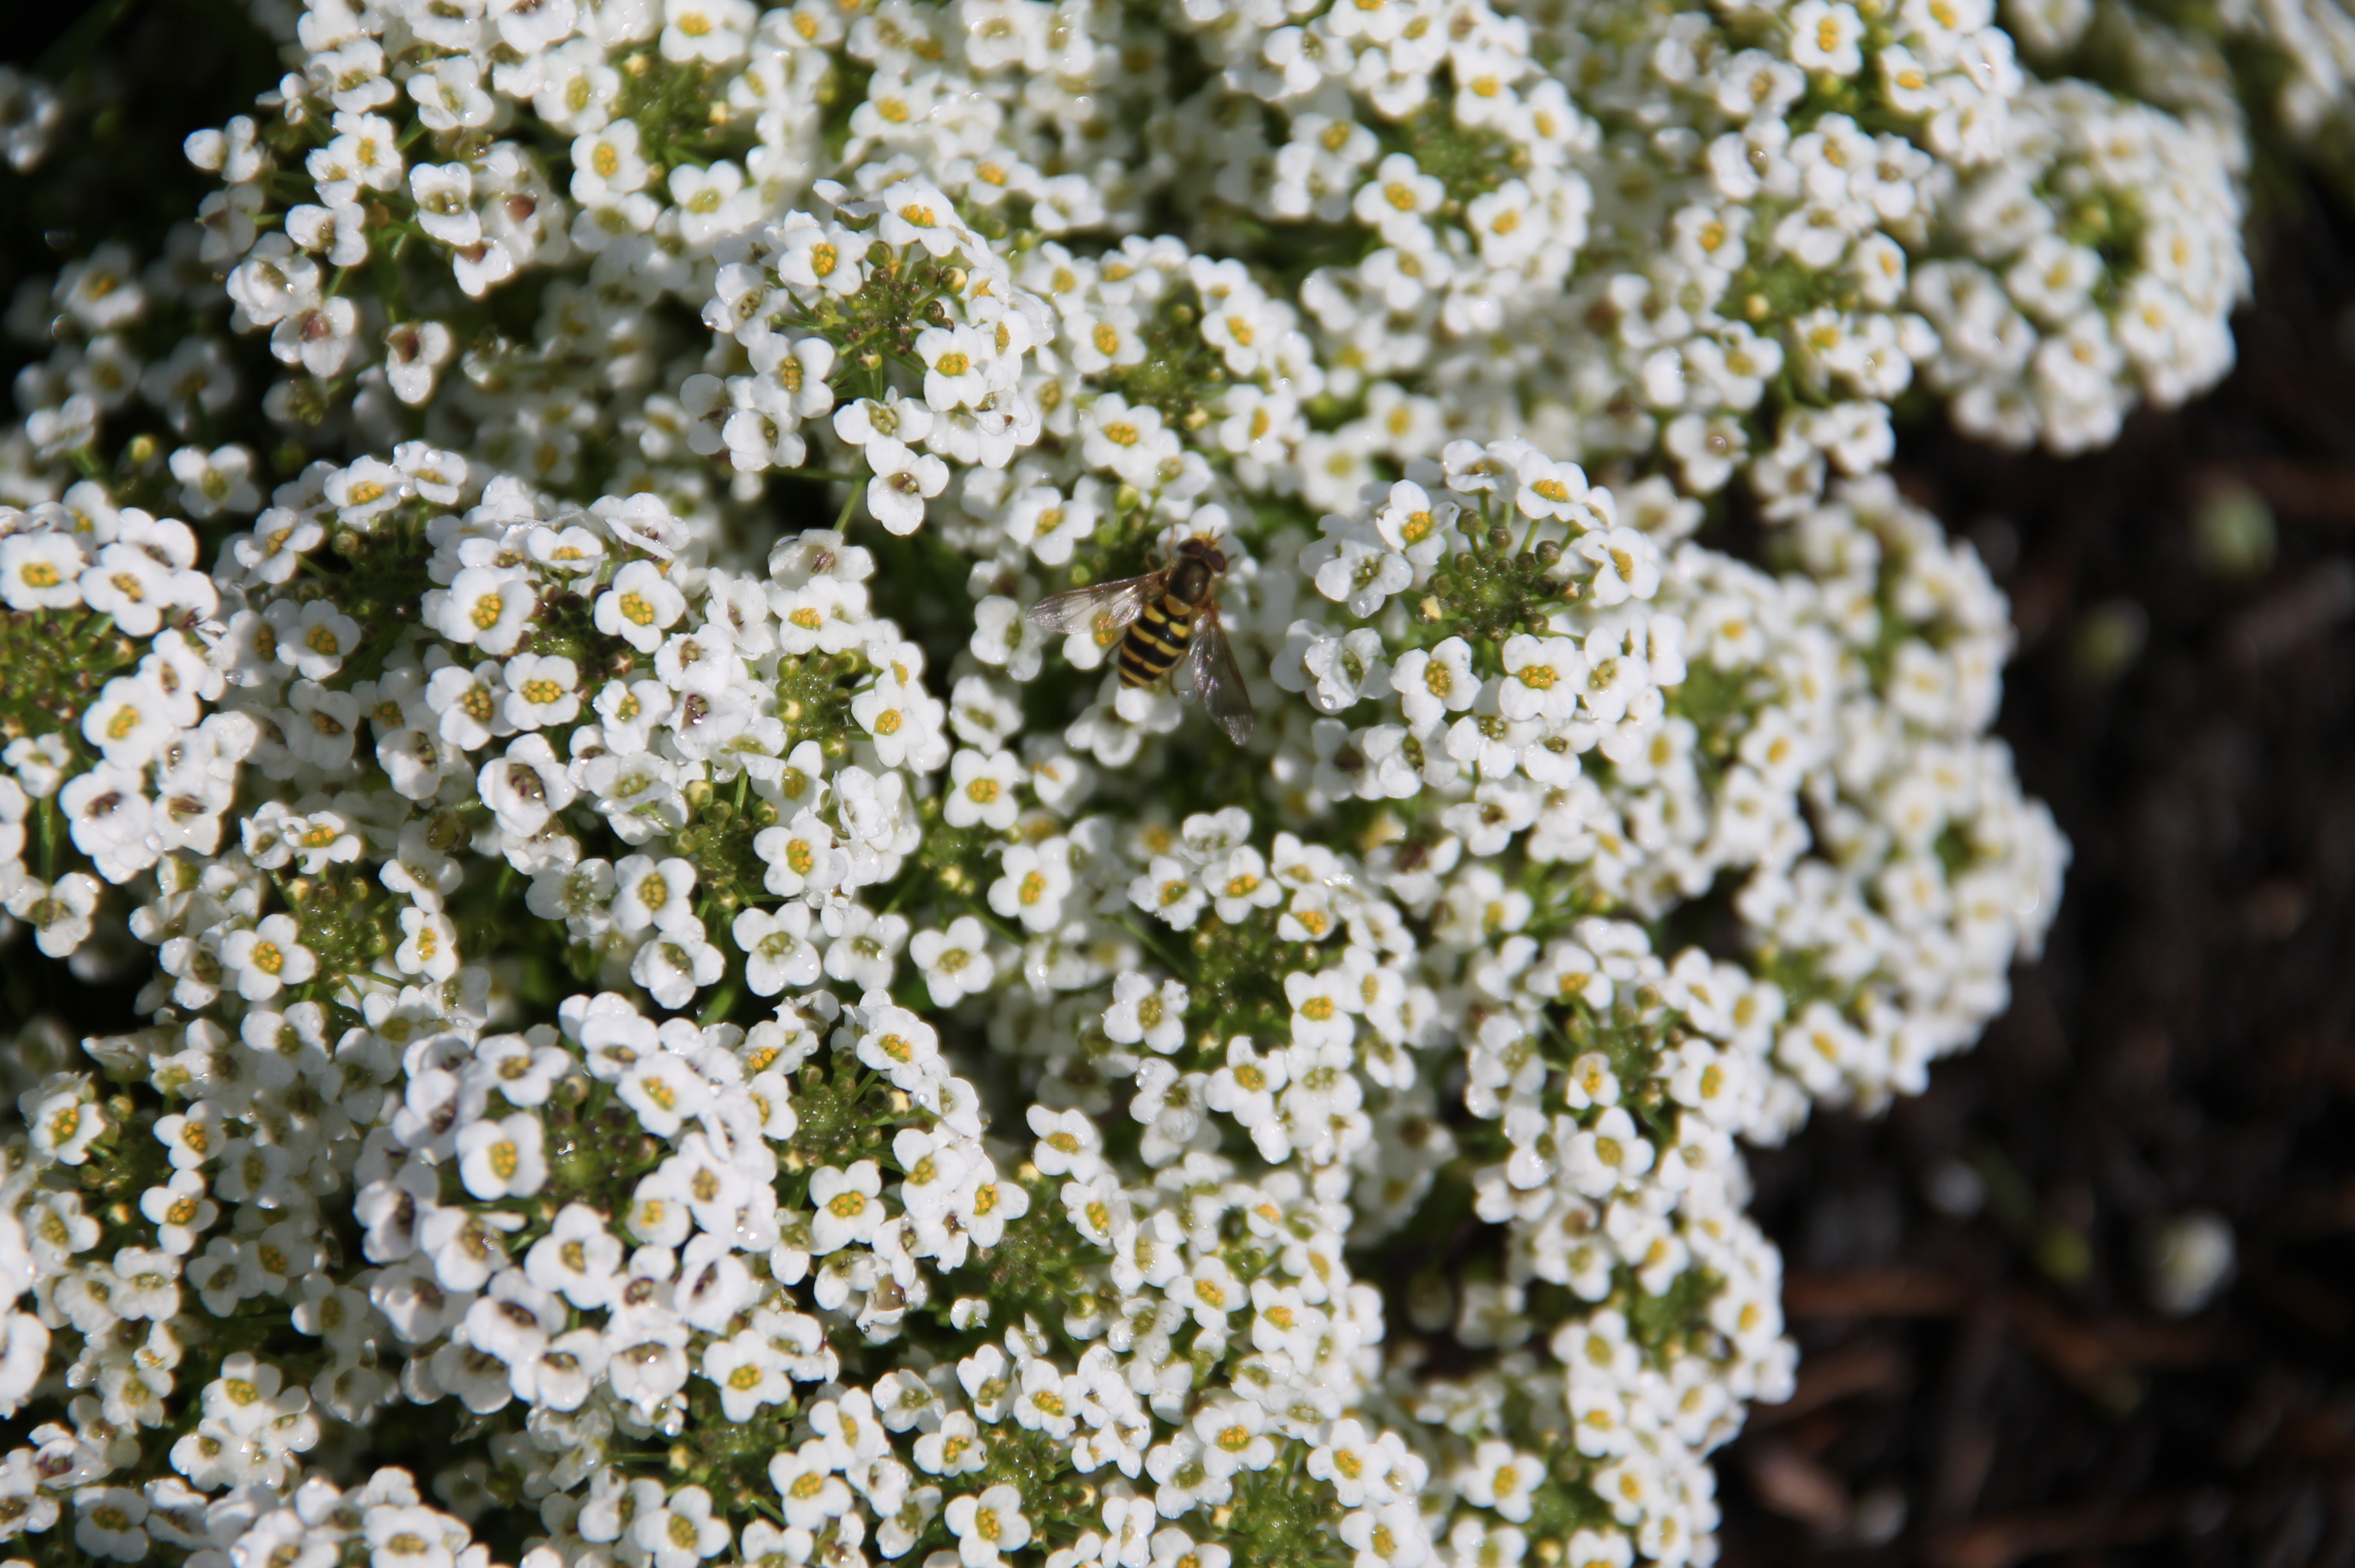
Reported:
(573, 641)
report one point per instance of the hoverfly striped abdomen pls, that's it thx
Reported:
(1163, 627)
(1156, 641)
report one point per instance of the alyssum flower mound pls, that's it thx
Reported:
(677, 1024)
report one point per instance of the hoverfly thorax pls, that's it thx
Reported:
(1190, 581)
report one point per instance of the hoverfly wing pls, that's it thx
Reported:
(1106, 606)
(1214, 676)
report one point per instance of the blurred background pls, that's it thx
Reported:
(2092, 1299)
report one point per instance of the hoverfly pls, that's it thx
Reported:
(1171, 618)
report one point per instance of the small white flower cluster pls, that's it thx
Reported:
(980, 327)
(780, 756)
(2314, 42)
(1885, 846)
(574, 673)
(2042, 335)
(125, 765)
(1804, 253)
(691, 1013)
(124, 339)
(2206, 59)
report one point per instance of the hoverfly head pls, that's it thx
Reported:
(1200, 548)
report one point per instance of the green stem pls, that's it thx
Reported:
(52, 831)
(990, 918)
(723, 1002)
(1177, 966)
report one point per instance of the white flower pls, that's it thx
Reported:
(179, 1210)
(1607, 1156)
(1355, 566)
(129, 584)
(715, 201)
(315, 638)
(749, 1373)
(914, 213)
(525, 786)
(800, 857)
(488, 607)
(63, 1124)
(904, 482)
(1434, 683)
(900, 1045)
(987, 1526)
(1237, 883)
(318, 337)
(444, 194)
(1497, 1478)
(1321, 1008)
(954, 1448)
(955, 360)
(809, 1486)
(607, 165)
(1032, 884)
(40, 570)
(128, 722)
(955, 964)
(640, 607)
(1337, 671)
(1626, 565)
(1393, 201)
(848, 1207)
(1246, 1086)
(429, 944)
(714, 31)
(110, 815)
(215, 482)
(665, 1090)
(674, 964)
(682, 1533)
(982, 790)
(1147, 1014)
(503, 1159)
(1824, 36)
(542, 690)
(1351, 1461)
(1167, 889)
(1233, 1436)
(648, 892)
(864, 945)
(267, 958)
(108, 1522)
(1386, 1535)
(776, 947)
(904, 723)
(578, 1257)
(1128, 440)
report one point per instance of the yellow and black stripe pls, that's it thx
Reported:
(1156, 640)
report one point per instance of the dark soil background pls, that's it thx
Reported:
(1985, 1380)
